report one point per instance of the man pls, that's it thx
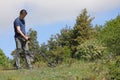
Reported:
(21, 39)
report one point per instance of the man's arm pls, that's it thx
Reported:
(20, 32)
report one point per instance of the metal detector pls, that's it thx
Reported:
(50, 64)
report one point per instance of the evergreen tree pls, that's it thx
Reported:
(82, 30)
(3, 58)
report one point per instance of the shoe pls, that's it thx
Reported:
(14, 65)
(18, 68)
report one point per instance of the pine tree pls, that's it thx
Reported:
(82, 30)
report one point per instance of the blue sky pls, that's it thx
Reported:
(48, 17)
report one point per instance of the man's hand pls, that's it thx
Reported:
(26, 38)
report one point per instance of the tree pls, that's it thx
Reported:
(64, 37)
(110, 35)
(82, 30)
(97, 30)
(52, 43)
(58, 45)
(3, 58)
(71, 38)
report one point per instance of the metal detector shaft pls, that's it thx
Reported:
(49, 63)
(46, 57)
(43, 54)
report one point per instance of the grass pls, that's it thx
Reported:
(77, 71)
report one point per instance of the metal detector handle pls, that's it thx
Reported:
(29, 39)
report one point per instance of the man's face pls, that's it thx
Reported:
(23, 15)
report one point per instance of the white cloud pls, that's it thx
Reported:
(59, 10)
(50, 11)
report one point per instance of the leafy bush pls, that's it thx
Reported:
(114, 69)
(60, 54)
(3, 58)
(90, 50)
(110, 35)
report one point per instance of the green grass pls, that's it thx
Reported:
(77, 71)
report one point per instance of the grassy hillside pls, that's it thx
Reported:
(76, 71)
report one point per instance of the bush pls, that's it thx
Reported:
(60, 54)
(90, 50)
(114, 69)
(3, 58)
(110, 35)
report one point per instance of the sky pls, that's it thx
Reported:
(48, 17)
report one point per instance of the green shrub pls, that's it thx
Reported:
(3, 58)
(114, 69)
(60, 54)
(90, 50)
(110, 35)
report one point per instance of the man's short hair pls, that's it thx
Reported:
(23, 11)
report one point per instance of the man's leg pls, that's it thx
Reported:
(28, 59)
(18, 59)
(27, 55)
(18, 46)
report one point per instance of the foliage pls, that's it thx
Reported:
(64, 37)
(110, 35)
(82, 30)
(61, 54)
(72, 37)
(97, 30)
(114, 69)
(3, 58)
(90, 50)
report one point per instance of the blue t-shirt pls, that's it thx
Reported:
(21, 23)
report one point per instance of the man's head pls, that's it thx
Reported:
(23, 13)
